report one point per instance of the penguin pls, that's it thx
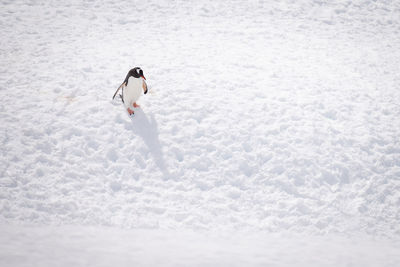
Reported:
(132, 88)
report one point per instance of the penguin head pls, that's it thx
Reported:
(137, 72)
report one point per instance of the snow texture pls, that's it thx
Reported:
(266, 117)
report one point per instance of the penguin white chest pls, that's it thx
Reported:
(132, 91)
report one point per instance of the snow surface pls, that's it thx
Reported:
(264, 120)
(88, 246)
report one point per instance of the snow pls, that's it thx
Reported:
(93, 246)
(271, 130)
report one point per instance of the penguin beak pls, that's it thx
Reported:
(143, 77)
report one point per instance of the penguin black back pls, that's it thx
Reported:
(136, 72)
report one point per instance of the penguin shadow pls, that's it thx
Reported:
(146, 127)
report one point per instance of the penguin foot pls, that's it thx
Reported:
(130, 111)
(136, 105)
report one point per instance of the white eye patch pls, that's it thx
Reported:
(138, 70)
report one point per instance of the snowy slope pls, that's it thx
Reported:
(266, 117)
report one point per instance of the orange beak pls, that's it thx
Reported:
(143, 77)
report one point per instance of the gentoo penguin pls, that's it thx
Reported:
(132, 88)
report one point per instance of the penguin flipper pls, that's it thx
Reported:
(122, 84)
(144, 85)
